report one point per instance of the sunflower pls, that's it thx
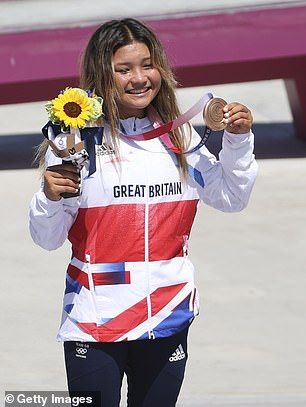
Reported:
(73, 107)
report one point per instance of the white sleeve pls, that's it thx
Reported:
(225, 184)
(50, 221)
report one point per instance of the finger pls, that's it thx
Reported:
(241, 123)
(236, 116)
(62, 174)
(235, 107)
(64, 182)
(72, 190)
(57, 193)
(66, 167)
(58, 189)
(53, 191)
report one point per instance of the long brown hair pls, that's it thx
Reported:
(97, 74)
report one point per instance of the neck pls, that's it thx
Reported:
(139, 114)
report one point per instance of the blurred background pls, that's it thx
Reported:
(248, 345)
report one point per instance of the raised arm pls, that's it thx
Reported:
(226, 184)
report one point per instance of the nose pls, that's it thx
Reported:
(138, 76)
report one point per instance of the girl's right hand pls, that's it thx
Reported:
(61, 178)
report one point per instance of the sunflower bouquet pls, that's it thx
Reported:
(69, 113)
(74, 108)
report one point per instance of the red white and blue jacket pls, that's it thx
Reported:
(130, 276)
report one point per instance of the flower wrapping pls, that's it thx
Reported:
(71, 115)
(72, 110)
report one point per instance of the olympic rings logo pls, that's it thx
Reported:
(81, 351)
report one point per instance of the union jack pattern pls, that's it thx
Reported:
(130, 277)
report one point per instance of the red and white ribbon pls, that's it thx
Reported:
(163, 130)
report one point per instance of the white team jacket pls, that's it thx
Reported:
(130, 276)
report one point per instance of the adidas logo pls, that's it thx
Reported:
(104, 149)
(179, 354)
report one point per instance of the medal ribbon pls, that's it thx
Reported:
(163, 130)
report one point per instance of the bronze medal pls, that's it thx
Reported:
(213, 114)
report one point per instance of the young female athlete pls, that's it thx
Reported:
(130, 295)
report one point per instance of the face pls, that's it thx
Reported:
(137, 81)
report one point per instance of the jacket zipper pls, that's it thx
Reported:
(89, 275)
(149, 305)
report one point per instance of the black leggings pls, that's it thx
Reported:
(154, 368)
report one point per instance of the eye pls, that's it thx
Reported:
(148, 66)
(123, 71)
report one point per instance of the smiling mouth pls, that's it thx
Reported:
(137, 91)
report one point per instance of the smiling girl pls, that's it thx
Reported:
(130, 294)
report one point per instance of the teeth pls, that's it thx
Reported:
(137, 92)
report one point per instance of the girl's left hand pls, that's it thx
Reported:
(238, 118)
